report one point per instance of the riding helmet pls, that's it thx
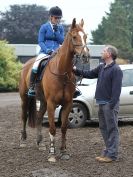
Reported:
(55, 11)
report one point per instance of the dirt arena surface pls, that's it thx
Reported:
(84, 144)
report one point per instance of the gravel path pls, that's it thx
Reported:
(84, 144)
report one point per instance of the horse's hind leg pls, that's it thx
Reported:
(24, 106)
(40, 113)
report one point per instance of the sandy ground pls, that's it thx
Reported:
(83, 144)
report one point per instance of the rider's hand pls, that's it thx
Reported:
(49, 52)
(55, 28)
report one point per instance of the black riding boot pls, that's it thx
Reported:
(31, 91)
(77, 93)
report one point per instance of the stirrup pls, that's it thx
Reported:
(31, 93)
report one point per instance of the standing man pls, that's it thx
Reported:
(107, 96)
(50, 37)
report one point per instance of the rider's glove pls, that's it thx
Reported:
(55, 28)
(49, 51)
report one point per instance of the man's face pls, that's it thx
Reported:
(105, 54)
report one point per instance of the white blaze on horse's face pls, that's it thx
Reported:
(82, 39)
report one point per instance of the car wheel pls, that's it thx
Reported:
(78, 115)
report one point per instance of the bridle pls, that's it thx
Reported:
(80, 56)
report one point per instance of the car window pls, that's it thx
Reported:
(127, 78)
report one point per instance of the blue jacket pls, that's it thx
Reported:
(109, 82)
(49, 40)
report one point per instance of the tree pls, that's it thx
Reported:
(21, 23)
(116, 30)
(98, 34)
(128, 5)
(9, 68)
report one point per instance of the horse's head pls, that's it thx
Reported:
(78, 40)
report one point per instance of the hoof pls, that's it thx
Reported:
(42, 148)
(23, 135)
(39, 139)
(22, 145)
(52, 159)
(64, 156)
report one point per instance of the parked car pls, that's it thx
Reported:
(85, 108)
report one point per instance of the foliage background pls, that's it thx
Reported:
(117, 28)
(9, 68)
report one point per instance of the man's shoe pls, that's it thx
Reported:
(98, 157)
(31, 93)
(105, 159)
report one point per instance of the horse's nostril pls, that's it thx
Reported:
(77, 56)
(85, 56)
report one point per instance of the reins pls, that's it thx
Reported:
(65, 75)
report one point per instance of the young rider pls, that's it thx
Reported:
(51, 36)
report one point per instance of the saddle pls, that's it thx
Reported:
(42, 66)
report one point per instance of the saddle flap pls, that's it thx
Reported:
(41, 68)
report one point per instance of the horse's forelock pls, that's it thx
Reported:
(79, 28)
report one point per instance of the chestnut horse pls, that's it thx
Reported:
(56, 88)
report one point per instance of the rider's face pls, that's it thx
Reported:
(55, 20)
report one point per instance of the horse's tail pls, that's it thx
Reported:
(32, 112)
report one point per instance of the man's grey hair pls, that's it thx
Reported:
(113, 50)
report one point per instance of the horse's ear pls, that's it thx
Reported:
(82, 22)
(73, 23)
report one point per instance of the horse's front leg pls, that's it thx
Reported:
(52, 131)
(24, 106)
(64, 119)
(41, 109)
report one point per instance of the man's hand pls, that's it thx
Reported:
(111, 106)
(74, 68)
